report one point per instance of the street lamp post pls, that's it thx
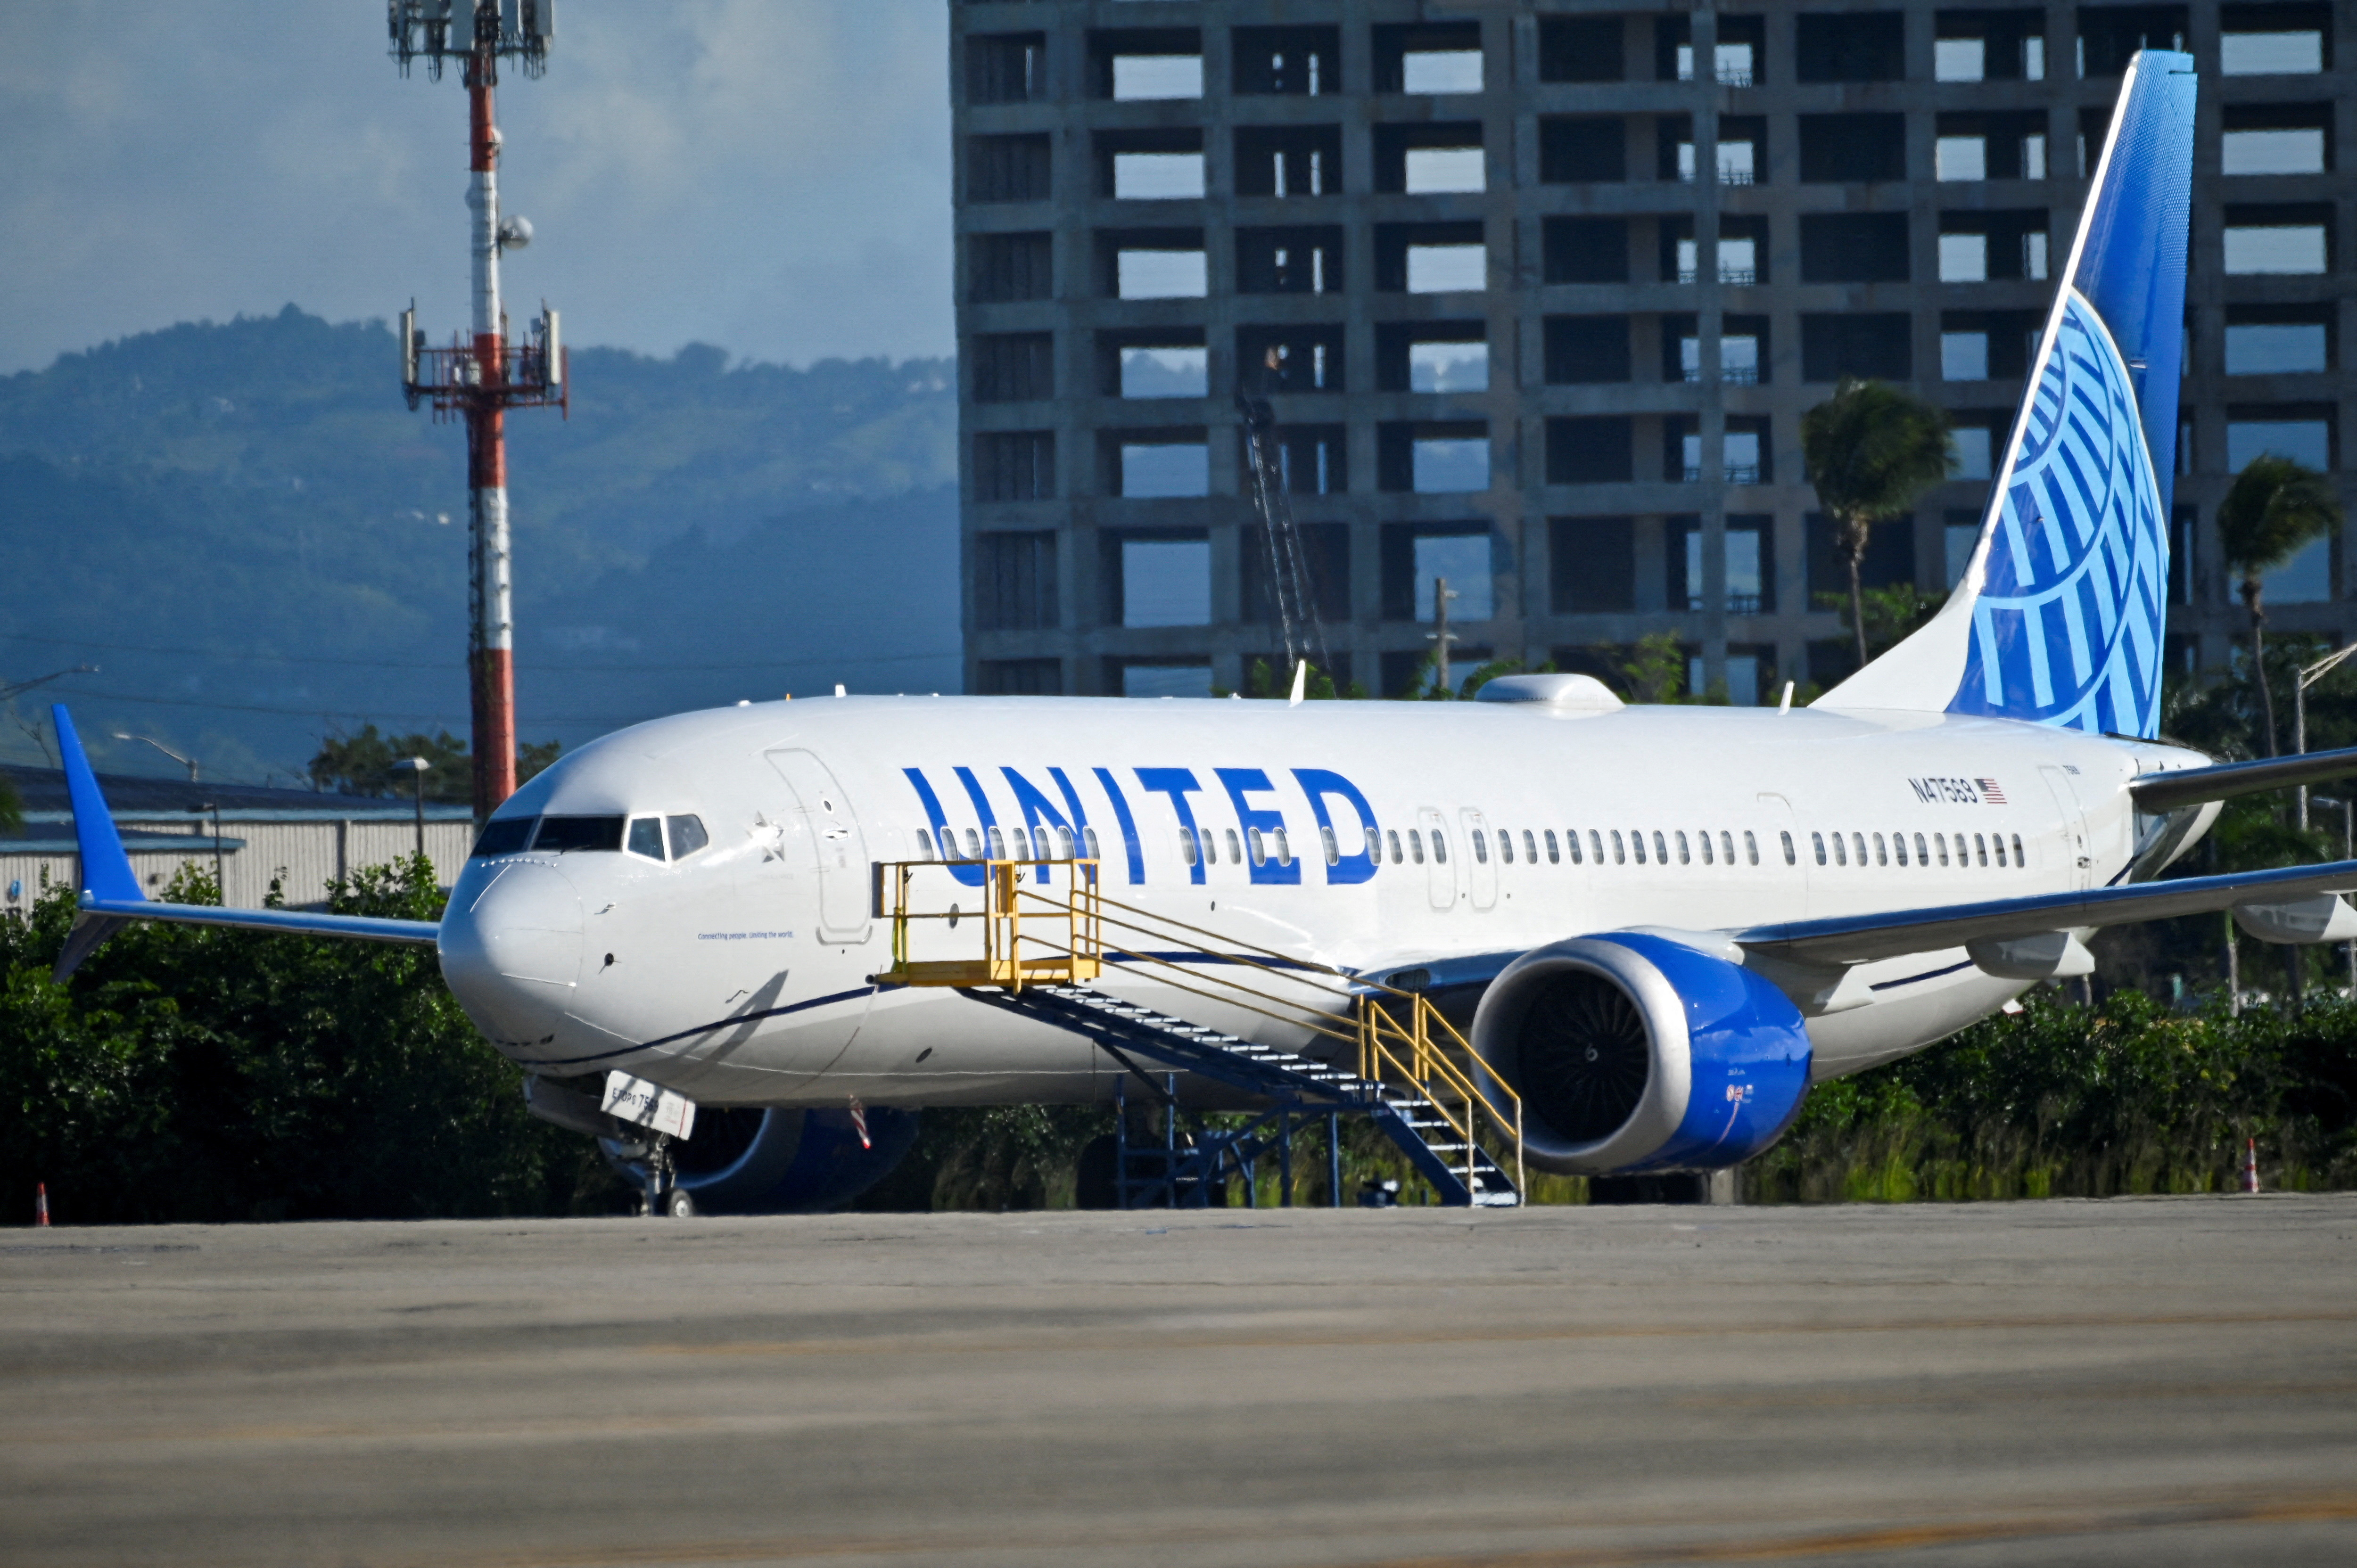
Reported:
(2308, 676)
(220, 877)
(418, 768)
(188, 762)
(2348, 804)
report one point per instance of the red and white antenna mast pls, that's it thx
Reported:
(480, 376)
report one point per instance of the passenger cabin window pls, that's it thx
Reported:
(1661, 849)
(1187, 846)
(1790, 858)
(1440, 848)
(564, 835)
(1554, 854)
(1415, 844)
(505, 835)
(1531, 847)
(646, 837)
(1236, 850)
(924, 845)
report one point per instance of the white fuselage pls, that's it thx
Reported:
(740, 973)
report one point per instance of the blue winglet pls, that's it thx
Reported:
(105, 867)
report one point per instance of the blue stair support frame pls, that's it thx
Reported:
(1293, 1084)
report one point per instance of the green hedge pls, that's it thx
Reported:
(2065, 1100)
(198, 1075)
(187, 1074)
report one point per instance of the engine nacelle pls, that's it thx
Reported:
(750, 1160)
(1635, 1053)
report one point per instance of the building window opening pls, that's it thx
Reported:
(1158, 176)
(1463, 561)
(1177, 372)
(1448, 269)
(2271, 54)
(1440, 70)
(1449, 367)
(1142, 77)
(1441, 171)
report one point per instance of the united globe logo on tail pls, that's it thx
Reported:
(2067, 624)
(2061, 615)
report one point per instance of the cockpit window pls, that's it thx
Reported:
(562, 835)
(646, 837)
(687, 836)
(505, 835)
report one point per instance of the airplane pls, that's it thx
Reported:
(1661, 924)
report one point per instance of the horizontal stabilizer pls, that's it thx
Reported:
(105, 916)
(2162, 792)
(1863, 939)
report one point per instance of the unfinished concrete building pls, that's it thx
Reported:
(1540, 293)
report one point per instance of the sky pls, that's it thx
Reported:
(770, 176)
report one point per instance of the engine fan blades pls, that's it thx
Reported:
(1584, 1056)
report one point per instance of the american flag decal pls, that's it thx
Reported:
(1990, 793)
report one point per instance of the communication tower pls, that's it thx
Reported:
(481, 375)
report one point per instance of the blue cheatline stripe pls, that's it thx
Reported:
(706, 1028)
(1913, 979)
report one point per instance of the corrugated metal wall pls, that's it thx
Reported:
(306, 854)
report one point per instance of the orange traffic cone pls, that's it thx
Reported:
(2250, 1164)
(41, 1203)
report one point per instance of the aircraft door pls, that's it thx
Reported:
(1480, 871)
(2078, 851)
(837, 846)
(1439, 871)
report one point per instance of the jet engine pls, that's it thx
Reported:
(1633, 1052)
(750, 1160)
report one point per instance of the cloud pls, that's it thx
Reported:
(772, 179)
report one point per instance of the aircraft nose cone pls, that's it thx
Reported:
(512, 951)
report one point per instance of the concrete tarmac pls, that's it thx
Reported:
(2169, 1380)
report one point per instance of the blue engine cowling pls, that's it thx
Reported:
(1635, 1053)
(751, 1160)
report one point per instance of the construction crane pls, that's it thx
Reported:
(1292, 598)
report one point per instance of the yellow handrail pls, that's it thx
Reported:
(1427, 1066)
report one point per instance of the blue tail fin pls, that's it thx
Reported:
(105, 868)
(2060, 617)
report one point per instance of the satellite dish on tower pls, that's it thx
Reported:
(515, 233)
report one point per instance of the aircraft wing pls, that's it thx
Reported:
(111, 895)
(2158, 792)
(1862, 938)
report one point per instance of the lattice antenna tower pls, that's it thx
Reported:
(481, 374)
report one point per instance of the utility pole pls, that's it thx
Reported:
(480, 376)
(1440, 637)
(2308, 676)
(418, 768)
(220, 877)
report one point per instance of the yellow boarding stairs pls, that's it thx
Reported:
(1043, 934)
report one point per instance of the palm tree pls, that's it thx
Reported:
(1871, 452)
(2275, 506)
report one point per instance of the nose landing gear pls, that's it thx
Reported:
(660, 1195)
